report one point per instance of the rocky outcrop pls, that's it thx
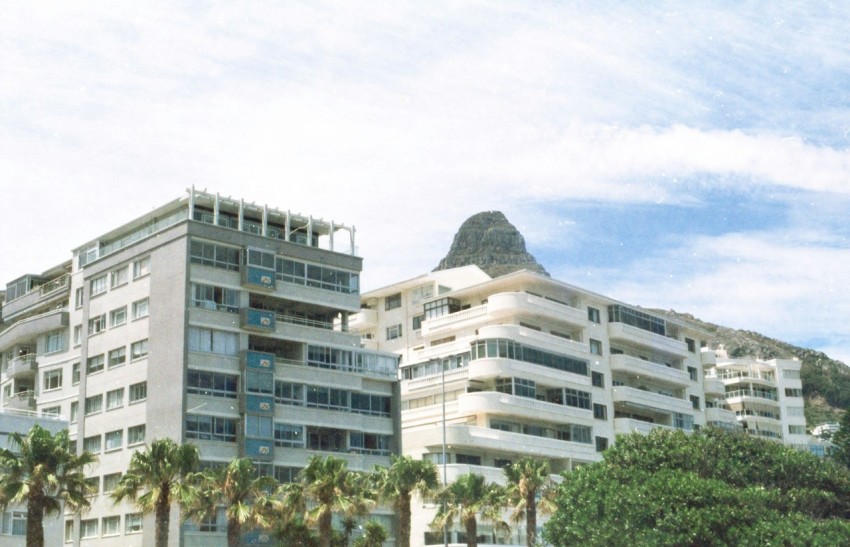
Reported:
(492, 243)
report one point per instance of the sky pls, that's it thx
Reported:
(692, 156)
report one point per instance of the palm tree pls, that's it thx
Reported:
(528, 480)
(374, 535)
(331, 488)
(245, 496)
(467, 497)
(160, 473)
(398, 482)
(43, 474)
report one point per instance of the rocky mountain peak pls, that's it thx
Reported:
(492, 243)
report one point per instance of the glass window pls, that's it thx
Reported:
(54, 342)
(600, 412)
(394, 332)
(88, 528)
(597, 379)
(213, 341)
(94, 404)
(141, 267)
(393, 301)
(118, 277)
(601, 444)
(138, 392)
(78, 298)
(115, 398)
(692, 346)
(118, 316)
(78, 334)
(117, 357)
(210, 297)
(52, 379)
(98, 285)
(595, 347)
(74, 408)
(97, 324)
(216, 256)
(140, 308)
(593, 315)
(288, 393)
(94, 364)
(212, 384)
(69, 531)
(114, 439)
(214, 428)
(110, 482)
(92, 444)
(139, 349)
(258, 426)
(111, 526)
(51, 411)
(75, 374)
(132, 523)
(135, 434)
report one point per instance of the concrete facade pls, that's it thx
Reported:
(209, 321)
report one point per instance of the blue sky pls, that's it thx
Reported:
(689, 156)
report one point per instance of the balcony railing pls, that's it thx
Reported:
(751, 393)
(23, 400)
(21, 366)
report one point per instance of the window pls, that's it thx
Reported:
(132, 523)
(78, 335)
(214, 428)
(114, 439)
(94, 364)
(326, 439)
(110, 482)
(53, 342)
(210, 297)
(258, 426)
(135, 434)
(600, 412)
(327, 397)
(259, 382)
(74, 408)
(797, 429)
(117, 357)
(692, 346)
(601, 444)
(468, 459)
(141, 267)
(216, 256)
(75, 374)
(140, 308)
(597, 379)
(98, 285)
(793, 392)
(595, 347)
(212, 384)
(69, 531)
(394, 332)
(417, 321)
(692, 372)
(97, 324)
(503, 348)
(94, 404)
(287, 393)
(790, 374)
(369, 443)
(213, 341)
(88, 528)
(118, 316)
(576, 398)
(51, 411)
(118, 277)
(139, 349)
(92, 444)
(393, 301)
(695, 402)
(115, 398)
(111, 526)
(138, 392)
(593, 315)
(78, 298)
(13, 523)
(52, 379)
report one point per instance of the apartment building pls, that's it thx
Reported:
(209, 321)
(524, 365)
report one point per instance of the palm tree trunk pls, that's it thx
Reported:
(35, 530)
(234, 532)
(163, 517)
(530, 519)
(471, 525)
(325, 529)
(404, 521)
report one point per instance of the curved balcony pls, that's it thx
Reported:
(627, 426)
(492, 474)
(23, 366)
(502, 404)
(24, 400)
(493, 440)
(489, 368)
(510, 304)
(744, 396)
(363, 319)
(708, 358)
(27, 329)
(634, 335)
(434, 380)
(649, 369)
(650, 399)
(537, 339)
(55, 289)
(714, 386)
(720, 415)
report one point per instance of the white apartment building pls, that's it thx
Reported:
(210, 321)
(524, 365)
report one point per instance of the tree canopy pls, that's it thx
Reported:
(709, 488)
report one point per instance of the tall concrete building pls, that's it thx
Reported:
(495, 369)
(209, 321)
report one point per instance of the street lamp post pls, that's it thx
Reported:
(445, 480)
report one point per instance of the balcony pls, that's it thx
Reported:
(714, 386)
(454, 320)
(46, 292)
(638, 397)
(720, 415)
(257, 320)
(27, 329)
(23, 366)
(524, 304)
(257, 404)
(742, 396)
(493, 440)
(627, 426)
(488, 368)
(258, 449)
(656, 371)
(708, 358)
(537, 339)
(502, 404)
(258, 278)
(434, 380)
(628, 333)
(24, 400)
(492, 474)
(299, 328)
(364, 319)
